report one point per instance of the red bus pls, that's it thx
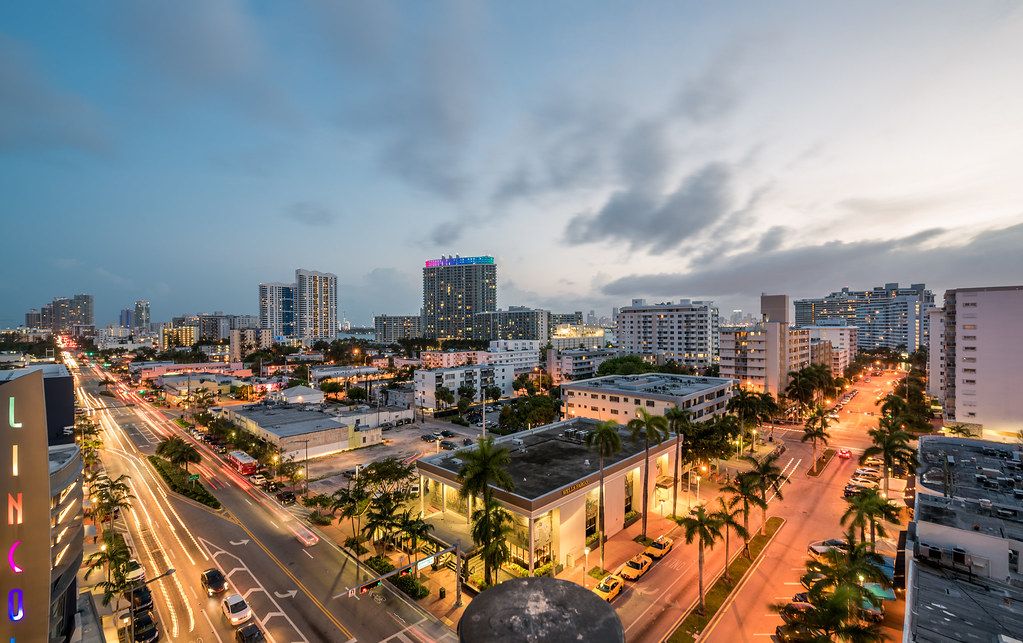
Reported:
(244, 462)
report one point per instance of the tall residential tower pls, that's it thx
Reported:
(454, 290)
(316, 304)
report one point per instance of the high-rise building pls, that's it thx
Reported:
(686, 332)
(887, 316)
(126, 318)
(63, 313)
(775, 308)
(391, 328)
(277, 308)
(142, 319)
(518, 322)
(978, 353)
(246, 340)
(843, 340)
(454, 290)
(214, 327)
(316, 304)
(761, 356)
(33, 318)
(571, 319)
(178, 336)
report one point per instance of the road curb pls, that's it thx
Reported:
(731, 594)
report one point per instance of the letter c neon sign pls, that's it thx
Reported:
(10, 557)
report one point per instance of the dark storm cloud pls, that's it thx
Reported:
(654, 222)
(771, 240)
(35, 115)
(310, 214)
(991, 257)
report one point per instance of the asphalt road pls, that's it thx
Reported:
(297, 593)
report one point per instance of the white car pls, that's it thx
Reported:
(866, 483)
(236, 610)
(134, 571)
(259, 480)
(867, 472)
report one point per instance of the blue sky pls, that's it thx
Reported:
(183, 152)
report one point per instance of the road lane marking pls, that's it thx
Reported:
(306, 552)
(215, 632)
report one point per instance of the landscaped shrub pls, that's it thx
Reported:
(410, 586)
(177, 479)
(355, 545)
(630, 518)
(379, 564)
(321, 519)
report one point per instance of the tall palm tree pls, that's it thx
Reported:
(682, 425)
(746, 494)
(868, 509)
(844, 573)
(801, 389)
(178, 452)
(727, 514)
(113, 558)
(607, 442)
(891, 445)
(491, 526)
(816, 430)
(746, 405)
(351, 502)
(381, 518)
(484, 468)
(768, 477)
(648, 428)
(704, 528)
(112, 496)
(416, 530)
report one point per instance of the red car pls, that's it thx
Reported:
(845, 454)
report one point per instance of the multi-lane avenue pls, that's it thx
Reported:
(297, 592)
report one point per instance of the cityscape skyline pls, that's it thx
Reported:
(715, 160)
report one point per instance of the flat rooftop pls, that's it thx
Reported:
(363, 409)
(60, 455)
(651, 384)
(985, 485)
(288, 420)
(950, 606)
(549, 458)
(48, 370)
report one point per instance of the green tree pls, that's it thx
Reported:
(491, 526)
(752, 409)
(647, 428)
(113, 558)
(357, 394)
(351, 503)
(705, 529)
(331, 388)
(178, 452)
(484, 468)
(727, 515)
(746, 494)
(801, 389)
(445, 396)
(816, 430)
(891, 445)
(867, 510)
(607, 442)
(768, 477)
(680, 422)
(416, 530)
(111, 496)
(381, 520)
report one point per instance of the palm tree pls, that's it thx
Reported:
(705, 528)
(381, 518)
(843, 573)
(351, 502)
(607, 442)
(727, 514)
(891, 445)
(681, 424)
(816, 430)
(491, 526)
(746, 494)
(768, 477)
(869, 508)
(800, 389)
(416, 530)
(112, 495)
(484, 468)
(648, 428)
(178, 452)
(202, 399)
(752, 409)
(445, 396)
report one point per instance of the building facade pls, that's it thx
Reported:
(142, 319)
(243, 342)
(843, 341)
(980, 350)
(64, 313)
(570, 364)
(887, 316)
(616, 397)
(454, 290)
(518, 322)
(178, 336)
(479, 376)
(389, 329)
(571, 336)
(316, 304)
(126, 318)
(277, 308)
(760, 357)
(686, 332)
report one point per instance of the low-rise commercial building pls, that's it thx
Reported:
(616, 397)
(300, 430)
(479, 376)
(143, 371)
(567, 365)
(298, 395)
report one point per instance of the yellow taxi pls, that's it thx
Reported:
(609, 587)
(635, 567)
(659, 547)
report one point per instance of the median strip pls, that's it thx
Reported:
(693, 623)
(821, 464)
(178, 480)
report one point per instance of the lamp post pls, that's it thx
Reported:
(131, 601)
(697, 490)
(586, 564)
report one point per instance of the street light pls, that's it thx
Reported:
(697, 490)
(131, 600)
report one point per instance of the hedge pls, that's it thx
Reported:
(177, 479)
(407, 584)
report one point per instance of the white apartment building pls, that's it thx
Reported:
(576, 363)
(277, 308)
(936, 356)
(478, 376)
(843, 344)
(760, 357)
(316, 304)
(449, 359)
(522, 354)
(686, 332)
(244, 341)
(572, 336)
(981, 351)
(616, 397)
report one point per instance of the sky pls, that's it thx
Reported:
(601, 151)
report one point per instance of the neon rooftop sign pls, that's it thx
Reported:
(459, 261)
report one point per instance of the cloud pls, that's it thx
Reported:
(989, 258)
(380, 291)
(36, 115)
(715, 93)
(772, 239)
(659, 223)
(310, 214)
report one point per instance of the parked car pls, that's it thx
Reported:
(869, 483)
(466, 441)
(259, 480)
(236, 610)
(821, 547)
(429, 437)
(448, 433)
(272, 486)
(139, 599)
(213, 581)
(448, 445)
(635, 567)
(249, 633)
(145, 628)
(609, 587)
(793, 611)
(659, 547)
(795, 632)
(286, 498)
(134, 571)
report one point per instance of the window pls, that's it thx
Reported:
(650, 403)
(612, 398)
(969, 327)
(591, 514)
(614, 411)
(628, 492)
(593, 408)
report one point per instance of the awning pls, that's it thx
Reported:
(881, 592)
(665, 482)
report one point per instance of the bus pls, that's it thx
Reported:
(243, 462)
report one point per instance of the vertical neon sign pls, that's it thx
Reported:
(25, 489)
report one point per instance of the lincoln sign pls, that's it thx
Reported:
(25, 490)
